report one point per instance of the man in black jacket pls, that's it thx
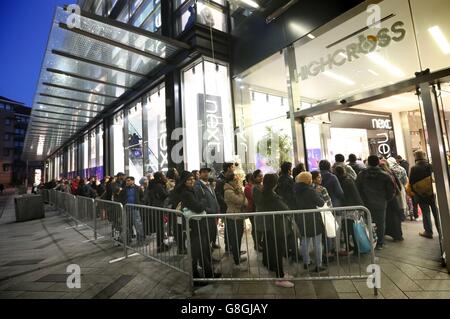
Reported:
(421, 172)
(376, 189)
(200, 249)
(207, 196)
(133, 194)
(285, 187)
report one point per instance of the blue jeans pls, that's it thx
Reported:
(317, 242)
(426, 215)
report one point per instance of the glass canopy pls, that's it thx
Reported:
(90, 62)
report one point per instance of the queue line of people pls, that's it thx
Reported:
(380, 185)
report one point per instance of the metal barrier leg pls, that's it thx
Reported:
(94, 211)
(189, 251)
(124, 232)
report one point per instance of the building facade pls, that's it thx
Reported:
(14, 118)
(138, 86)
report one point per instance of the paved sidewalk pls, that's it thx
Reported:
(34, 256)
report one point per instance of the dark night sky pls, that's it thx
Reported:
(24, 30)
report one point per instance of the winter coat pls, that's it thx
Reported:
(285, 189)
(331, 183)
(86, 191)
(220, 193)
(348, 169)
(156, 194)
(115, 189)
(207, 196)
(309, 224)
(421, 170)
(257, 200)
(234, 198)
(190, 200)
(74, 187)
(122, 196)
(357, 167)
(108, 191)
(375, 187)
(351, 193)
(272, 202)
(399, 172)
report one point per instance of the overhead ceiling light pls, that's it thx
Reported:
(381, 61)
(373, 72)
(309, 35)
(339, 78)
(298, 28)
(405, 98)
(440, 39)
(251, 3)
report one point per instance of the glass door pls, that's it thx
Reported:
(435, 109)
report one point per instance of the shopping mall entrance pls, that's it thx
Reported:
(395, 120)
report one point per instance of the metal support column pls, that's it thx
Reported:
(440, 165)
(293, 86)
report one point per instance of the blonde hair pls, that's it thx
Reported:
(304, 177)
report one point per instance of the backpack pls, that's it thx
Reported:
(424, 187)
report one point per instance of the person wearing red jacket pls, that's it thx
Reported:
(75, 184)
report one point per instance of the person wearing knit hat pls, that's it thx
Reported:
(376, 189)
(200, 246)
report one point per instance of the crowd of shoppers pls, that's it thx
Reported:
(385, 187)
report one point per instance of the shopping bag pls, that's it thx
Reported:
(190, 214)
(329, 221)
(361, 234)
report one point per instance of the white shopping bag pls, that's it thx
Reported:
(330, 223)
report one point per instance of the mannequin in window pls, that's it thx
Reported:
(191, 20)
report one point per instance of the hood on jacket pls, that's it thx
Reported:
(373, 172)
(301, 187)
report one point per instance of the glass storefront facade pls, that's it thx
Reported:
(207, 115)
(341, 59)
(368, 50)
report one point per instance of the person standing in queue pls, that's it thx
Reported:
(236, 203)
(205, 192)
(228, 168)
(376, 189)
(200, 249)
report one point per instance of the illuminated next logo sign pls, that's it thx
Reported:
(382, 124)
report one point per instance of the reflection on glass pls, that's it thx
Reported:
(135, 153)
(117, 142)
(156, 146)
(333, 65)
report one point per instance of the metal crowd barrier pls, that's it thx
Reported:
(45, 195)
(86, 212)
(280, 243)
(300, 243)
(109, 220)
(159, 234)
(52, 197)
